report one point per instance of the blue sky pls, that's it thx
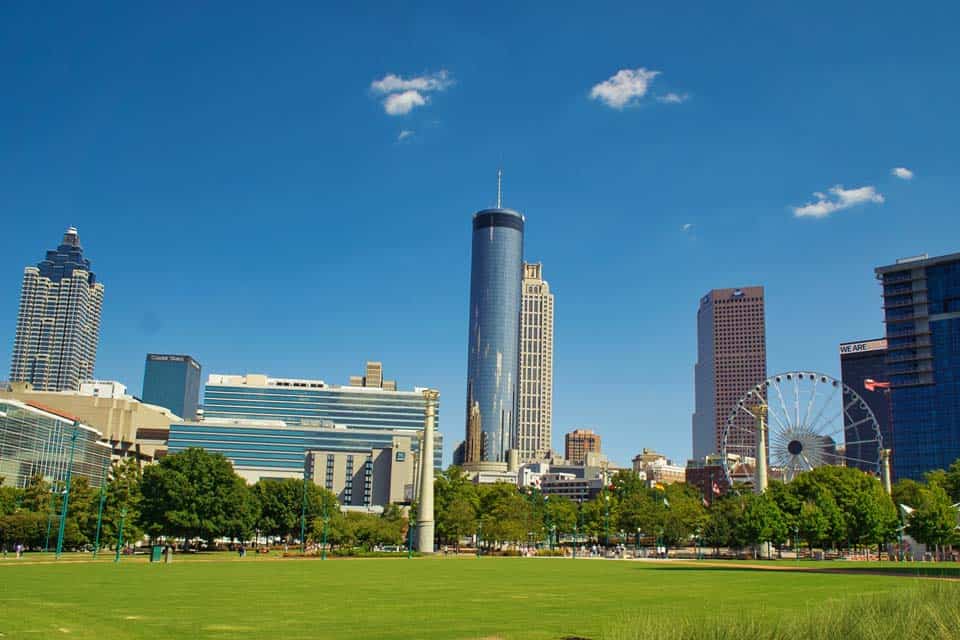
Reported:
(245, 197)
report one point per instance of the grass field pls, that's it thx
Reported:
(225, 597)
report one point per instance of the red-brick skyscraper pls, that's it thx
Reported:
(731, 358)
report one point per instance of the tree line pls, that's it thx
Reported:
(188, 497)
(829, 508)
(195, 496)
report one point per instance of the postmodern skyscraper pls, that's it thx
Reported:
(921, 302)
(731, 358)
(535, 417)
(492, 360)
(863, 368)
(578, 443)
(58, 325)
(172, 381)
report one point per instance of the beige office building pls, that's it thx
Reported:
(535, 421)
(105, 406)
(364, 476)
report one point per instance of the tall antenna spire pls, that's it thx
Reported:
(499, 192)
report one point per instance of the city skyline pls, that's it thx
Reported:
(256, 207)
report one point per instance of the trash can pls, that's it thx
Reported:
(156, 553)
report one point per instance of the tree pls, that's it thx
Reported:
(456, 503)
(504, 513)
(11, 499)
(934, 519)
(762, 521)
(36, 495)
(193, 494)
(123, 493)
(907, 492)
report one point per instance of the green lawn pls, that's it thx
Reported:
(225, 597)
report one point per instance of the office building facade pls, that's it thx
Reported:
(58, 323)
(731, 358)
(921, 304)
(263, 449)
(494, 335)
(863, 368)
(301, 402)
(36, 441)
(104, 406)
(364, 477)
(535, 415)
(172, 381)
(578, 443)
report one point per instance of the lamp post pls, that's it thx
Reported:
(326, 520)
(479, 535)
(103, 500)
(123, 516)
(637, 543)
(303, 517)
(46, 543)
(66, 491)
(606, 518)
(546, 513)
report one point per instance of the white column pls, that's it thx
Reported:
(885, 470)
(425, 506)
(761, 448)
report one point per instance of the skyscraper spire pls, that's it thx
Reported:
(499, 192)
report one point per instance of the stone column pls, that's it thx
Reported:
(425, 506)
(885, 470)
(761, 415)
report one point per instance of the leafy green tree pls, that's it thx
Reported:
(560, 513)
(192, 494)
(934, 519)
(36, 495)
(456, 504)
(281, 504)
(504, 512)
(685, 517)
(762, 521)
(813, 525)
(123, 492)
(11, 499)
(907, 491)
(720, 528)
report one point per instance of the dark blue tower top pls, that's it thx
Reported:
(498, 218)
(65, 259)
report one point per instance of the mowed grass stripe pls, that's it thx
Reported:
(423, 598)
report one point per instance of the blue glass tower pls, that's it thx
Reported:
(172, 381)
(921, 301)
(493, 359)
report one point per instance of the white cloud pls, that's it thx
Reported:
(686, 227)
(404, 134)
(673, 98)
(844, 199)
(902, 172)
(392, 83)
(399, 104)
(403, 95)
(624, 88)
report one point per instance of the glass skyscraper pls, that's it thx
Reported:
(173, 382)
(493, 358)
(921, 302)
(58, 325)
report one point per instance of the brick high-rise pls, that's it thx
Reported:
(731, 358)
(578, 443)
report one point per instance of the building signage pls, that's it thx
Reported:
(862, 347)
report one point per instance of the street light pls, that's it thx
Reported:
(66, 491)
(103, 500)
(637, 543)
(123, 516)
